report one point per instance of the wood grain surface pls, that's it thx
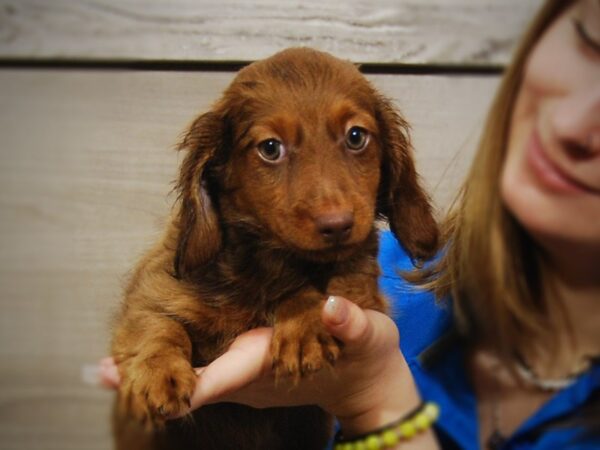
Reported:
(433, 32)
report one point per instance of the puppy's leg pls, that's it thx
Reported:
(361, 288)
(153, 354)
(300, 343)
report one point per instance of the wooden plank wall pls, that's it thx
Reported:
(93, 97)
(471, 32)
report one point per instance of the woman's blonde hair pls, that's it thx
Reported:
(490, 267)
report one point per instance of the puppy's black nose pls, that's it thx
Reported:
(335, 228)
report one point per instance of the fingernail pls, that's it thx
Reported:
(336, 311)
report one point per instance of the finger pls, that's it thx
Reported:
(109, 373)
(345, 320)
(358, 329)
(245, 361)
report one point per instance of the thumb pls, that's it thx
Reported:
(360, 330)
(346, 321)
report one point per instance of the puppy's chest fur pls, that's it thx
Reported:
(250, 284)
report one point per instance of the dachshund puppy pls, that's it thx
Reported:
(279, 191)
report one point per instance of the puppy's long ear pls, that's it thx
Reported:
(199, 235)
(401, 199)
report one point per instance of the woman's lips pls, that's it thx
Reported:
(550, 175)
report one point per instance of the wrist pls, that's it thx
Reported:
(387, 397)
(412, 431)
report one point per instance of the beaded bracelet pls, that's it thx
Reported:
(418, 420)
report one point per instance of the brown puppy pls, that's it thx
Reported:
(278, 193)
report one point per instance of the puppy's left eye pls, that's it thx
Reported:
(271, 150)
(357, 138)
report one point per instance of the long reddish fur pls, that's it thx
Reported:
(242, 251)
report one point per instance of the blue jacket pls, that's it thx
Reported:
(422, 323)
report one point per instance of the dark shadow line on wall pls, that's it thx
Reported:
(234, 66)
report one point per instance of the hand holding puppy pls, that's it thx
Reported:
(350, 391)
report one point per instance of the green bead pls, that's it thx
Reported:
(407, 429)
(422, 421)
(348, 446)
(389, 438)
(372, 443)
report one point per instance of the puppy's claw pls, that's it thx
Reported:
(154, 393)
(301, 352)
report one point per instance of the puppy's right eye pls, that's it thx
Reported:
(357, 139)
(271, 150)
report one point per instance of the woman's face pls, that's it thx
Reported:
(551, 176)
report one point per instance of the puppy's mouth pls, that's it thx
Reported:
(332, 253)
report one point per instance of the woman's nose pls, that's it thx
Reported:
(575, 120)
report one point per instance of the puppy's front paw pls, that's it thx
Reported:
(155, 389)
(299, 349)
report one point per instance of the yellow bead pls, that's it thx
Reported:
(432, 410)
(348, 446)
(407, 429)
(389, 438)
(422, 421)
(360, 445)
(372, 443)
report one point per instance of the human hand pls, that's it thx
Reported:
(109, 373)
(370, 384)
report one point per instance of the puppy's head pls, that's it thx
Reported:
(302, 151)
